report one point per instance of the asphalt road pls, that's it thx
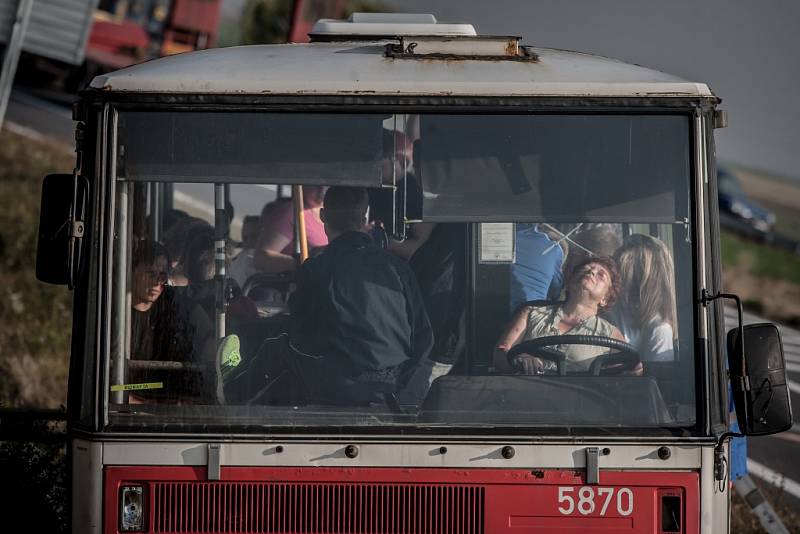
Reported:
(46, 113)
(770, 458)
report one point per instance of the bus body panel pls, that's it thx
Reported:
(393, 453)
(268, 499)
(87, 485)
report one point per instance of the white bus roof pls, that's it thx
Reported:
(362, 68)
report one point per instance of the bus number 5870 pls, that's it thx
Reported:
(586, 499)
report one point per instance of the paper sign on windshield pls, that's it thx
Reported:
(497, 243)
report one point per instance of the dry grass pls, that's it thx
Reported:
(767, 279)
(743, 521)
(36, 318)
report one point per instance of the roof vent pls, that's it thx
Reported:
(373, 26)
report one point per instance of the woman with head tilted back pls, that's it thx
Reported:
(591, 287)
(645, 311)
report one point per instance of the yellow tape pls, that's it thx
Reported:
(136, 387)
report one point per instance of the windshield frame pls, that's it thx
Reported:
(689, 107)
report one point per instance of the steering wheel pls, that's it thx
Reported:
(626, 357)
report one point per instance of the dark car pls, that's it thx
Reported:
(738, 210)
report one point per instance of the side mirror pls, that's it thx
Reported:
(61, 228)
(758, 377)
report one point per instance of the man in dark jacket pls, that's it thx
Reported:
(358, 321)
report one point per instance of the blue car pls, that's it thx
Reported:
(739, 208)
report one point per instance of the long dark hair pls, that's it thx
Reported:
(146, 252)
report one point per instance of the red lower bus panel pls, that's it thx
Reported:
(179, 500)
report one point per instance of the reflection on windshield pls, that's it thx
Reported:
(455, 319)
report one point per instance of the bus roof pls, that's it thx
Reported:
(364, 68)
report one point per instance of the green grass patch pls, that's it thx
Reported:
(761, 259)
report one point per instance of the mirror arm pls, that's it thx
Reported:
(719, 457)
(740, 381)
(76, 229)
(743, 382)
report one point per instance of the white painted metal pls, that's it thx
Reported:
(390, 24)
(87, 486)
(372, 454)
(714, 496)
(363, 69)
(59, 29)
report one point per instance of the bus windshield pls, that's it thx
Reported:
(507, 271)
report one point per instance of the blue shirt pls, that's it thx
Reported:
(535, 274)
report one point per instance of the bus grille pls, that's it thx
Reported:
(306, 508)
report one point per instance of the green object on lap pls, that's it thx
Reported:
(228, 354)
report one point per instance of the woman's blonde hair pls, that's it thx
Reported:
(647, 274)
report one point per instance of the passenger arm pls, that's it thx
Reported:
(267, 256)
(420, 232)
(510, 337)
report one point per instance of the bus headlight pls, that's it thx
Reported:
(131, 509)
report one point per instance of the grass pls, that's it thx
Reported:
(767, 279)
(36, 318)
(743, 521)
(763, 260)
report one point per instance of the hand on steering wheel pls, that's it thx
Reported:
(529, 365)
(625, 360)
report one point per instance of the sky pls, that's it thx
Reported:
(747, 51)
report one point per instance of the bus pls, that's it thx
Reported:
(527, 335)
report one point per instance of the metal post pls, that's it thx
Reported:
(228, 204)
(220, 231)
(301, 237)
(120, 292)
(156, 212)
(13, 50)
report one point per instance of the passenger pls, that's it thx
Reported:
(167, 327)
(251, 227)
(160, 325)
(202, 289)
(438, 255)
(243, 265)
(599, 241)
(536, 273)
(358, 321)
(592, 287)
(178, 242)
(172, 217)
(276, 244)
(199, 259)
(645, 311)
